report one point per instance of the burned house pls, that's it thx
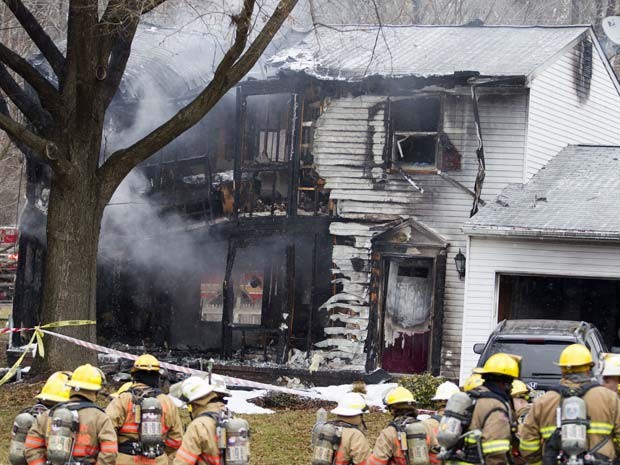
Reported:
(315, 217)
(418, 126)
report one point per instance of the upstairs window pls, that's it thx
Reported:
(416, 123)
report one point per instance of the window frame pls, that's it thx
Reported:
(394, 150)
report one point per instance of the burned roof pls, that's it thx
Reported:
(576, 195)
(357, 52)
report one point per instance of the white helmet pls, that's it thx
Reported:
(221, 389)
(445, 391)
(194, 388)
(611, 365)
(351, 404)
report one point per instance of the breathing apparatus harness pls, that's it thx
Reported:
(233, 438)
(412, 438)
(568, 442)
(65, 424)
(457, 443)
(21, 425)
(147, 412)
(327, 439)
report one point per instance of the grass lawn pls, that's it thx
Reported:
(279, 439)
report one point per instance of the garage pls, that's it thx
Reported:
(562, 298)
(547, 249)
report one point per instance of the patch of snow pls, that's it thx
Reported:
(238, 402)
(374, 396)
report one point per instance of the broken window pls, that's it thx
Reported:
(266, 137)
(416, 123)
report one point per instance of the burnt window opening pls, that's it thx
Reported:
(267, 128)
(416, 124)
(583, 70)
(312, 199)
(265, 164)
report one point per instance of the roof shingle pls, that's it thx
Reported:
(356, 52)
(576, 196)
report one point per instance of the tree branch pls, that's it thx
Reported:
(255, 51)
(225, 77)
(40, 38)
(47, 92)
(26, 104)
(42, 146)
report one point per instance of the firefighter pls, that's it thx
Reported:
(388, 448)
(520, 394)
(53, 392)
(611, 372)
(594, 413)
(127, 412)
(473, 382)
(200, 441)
(74, 431)
(442, 394)
(490, 426)
(346, 432)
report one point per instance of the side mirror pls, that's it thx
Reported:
(478, 348)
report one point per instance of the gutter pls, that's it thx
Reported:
(499, 231)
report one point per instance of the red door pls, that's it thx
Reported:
(407, 311)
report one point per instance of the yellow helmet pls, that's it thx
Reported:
(399, 395)
(575, 355)
(87, 377)
(473, 382)
(124, 388)
(55, 388)
(519, 389)
(501, 364)
(145, 362)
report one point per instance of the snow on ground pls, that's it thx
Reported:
(238, 402)
(374, 396)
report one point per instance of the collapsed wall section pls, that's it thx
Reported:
(348, 153)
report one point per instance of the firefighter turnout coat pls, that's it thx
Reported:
(354, 447)
(603, 410)
(122, 413)
(95, 441)
(388, 450)
(199, 444)
(493, 418)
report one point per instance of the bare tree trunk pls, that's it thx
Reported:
(73, 223)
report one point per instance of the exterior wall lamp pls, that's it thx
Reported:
(459, 261)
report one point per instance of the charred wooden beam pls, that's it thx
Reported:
(294, 154)
(437, 312)
(228, 300)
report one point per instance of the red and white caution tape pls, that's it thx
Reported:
(14, 330)
(190, 371)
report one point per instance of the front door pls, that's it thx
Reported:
(407, 315)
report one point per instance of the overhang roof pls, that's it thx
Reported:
(575, 196)
(360, 51)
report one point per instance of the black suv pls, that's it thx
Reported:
(540, 343)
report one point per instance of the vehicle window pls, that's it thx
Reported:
(539, 356)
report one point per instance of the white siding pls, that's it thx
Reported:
(344, 148)
(489, 256)
(557, 118)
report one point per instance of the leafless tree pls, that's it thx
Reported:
(63, 120)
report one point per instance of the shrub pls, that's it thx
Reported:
(422, 387)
